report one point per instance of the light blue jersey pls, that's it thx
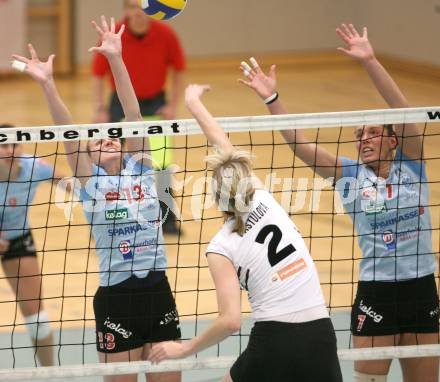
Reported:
(391, 217)
(17, 195)
(124, 213)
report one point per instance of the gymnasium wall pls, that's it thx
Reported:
(85, 12)
(406, 29)
(211, 27)
(261, 26)
(12, 17)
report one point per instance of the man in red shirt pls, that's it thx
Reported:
(150, 50)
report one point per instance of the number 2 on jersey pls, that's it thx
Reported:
(273, 256)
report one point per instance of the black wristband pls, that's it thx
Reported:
(271, 99)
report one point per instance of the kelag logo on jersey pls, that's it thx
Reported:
(125, 249)
(388, 239)
(372, 202)
(373, 207)
(116, 214)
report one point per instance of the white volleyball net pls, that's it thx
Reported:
(68, 265)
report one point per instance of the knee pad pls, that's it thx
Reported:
(361, 377)
(38, 325)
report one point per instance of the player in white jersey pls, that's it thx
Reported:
(260, 249)
(134, 305)
(20, 176)
(397, 300)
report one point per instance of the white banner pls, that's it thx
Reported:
(13, 20)
(429, 114)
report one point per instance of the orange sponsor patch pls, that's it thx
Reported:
(292, 269)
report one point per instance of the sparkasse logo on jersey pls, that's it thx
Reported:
(116, 214)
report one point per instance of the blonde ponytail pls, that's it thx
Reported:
(232, 184)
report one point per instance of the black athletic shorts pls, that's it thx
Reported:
(135, 312)
(22, 246)
(284, 352)
(385, 308)
(148, 106)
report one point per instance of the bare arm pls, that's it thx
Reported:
(315, 156)
(227, 322)
(359, 48)
(210, 127)
(101, 114)
(42, 72)
(212, 130)
(169, 111)
(112, 49)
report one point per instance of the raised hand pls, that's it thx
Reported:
(194, 92)
(110, 40)
(358, 47)
(264, 85)
(40, 71)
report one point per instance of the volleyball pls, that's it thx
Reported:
(163, 9)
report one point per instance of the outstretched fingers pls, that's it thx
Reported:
(342, 35)
(246, 83)
(104, 24)
(365, 33)
(353, 30)
(255, 73)
(112, 25)
(247, 70)
(33, 52)
(343, 50)
(98, 28)
(50, 59)
(346, 30)
(121, 30)
(255, 65)
(20, 58)
(272, 72)
(263, 84)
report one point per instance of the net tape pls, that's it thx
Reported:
(230, 125)
(138, 367)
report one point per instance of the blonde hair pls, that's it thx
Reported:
(232, 184)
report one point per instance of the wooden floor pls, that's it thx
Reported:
(68, 266)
